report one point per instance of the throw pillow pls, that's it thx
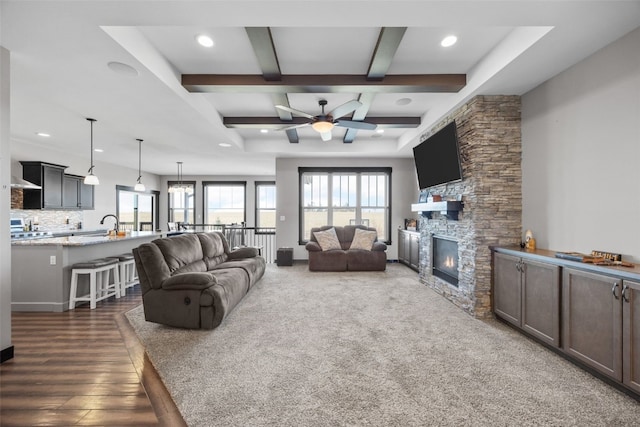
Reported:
(327, 239)
(363, 239)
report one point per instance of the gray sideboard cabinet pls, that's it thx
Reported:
(601, 318)
(527, 295)
(409, 248)
(588, 313)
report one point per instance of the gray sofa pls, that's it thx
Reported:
(194, 280)
(345, 259)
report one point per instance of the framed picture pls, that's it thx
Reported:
(410, 224)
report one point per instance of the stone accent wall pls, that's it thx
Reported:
(490, 148)
(17, 198)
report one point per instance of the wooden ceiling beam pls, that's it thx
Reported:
(277, 123)
(386, 47)
(388, 41)
(328, 83)
(265, 51)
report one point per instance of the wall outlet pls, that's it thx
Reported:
(282, 218)
(52, 260)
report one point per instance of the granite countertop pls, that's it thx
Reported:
(86, 240)
(77, 232)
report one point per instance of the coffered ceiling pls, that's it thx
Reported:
(184, 100)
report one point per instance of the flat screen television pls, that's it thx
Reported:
(438, 158)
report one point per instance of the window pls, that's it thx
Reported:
(265, 204)
(345, 196)
(181, 202)
(136, 210)
(224, 202)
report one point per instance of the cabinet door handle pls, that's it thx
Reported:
(613, 290)
(518, 266)
(625, 298)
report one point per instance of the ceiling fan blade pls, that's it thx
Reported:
(295, 126)
(296, 112)
(326, 136)
(345, 109)
(355, 125)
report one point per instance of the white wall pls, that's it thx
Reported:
(581, 154)
(109, 175)
(404, 192)
(5, 203)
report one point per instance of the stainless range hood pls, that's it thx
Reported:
(23, 183)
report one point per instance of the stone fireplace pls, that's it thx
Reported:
(490, 150)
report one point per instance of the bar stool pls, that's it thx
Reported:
(100, 287)
(128, 272)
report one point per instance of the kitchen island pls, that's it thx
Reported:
(41, 268)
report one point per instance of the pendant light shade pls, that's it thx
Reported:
(139, 186)
(91, 179)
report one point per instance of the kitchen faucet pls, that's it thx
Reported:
(117, 226)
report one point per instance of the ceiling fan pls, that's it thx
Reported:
(323, 123)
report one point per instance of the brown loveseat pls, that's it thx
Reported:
(345, 258)
(194, 280)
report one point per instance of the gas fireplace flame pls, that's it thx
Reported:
(449, 262)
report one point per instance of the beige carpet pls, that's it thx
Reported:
(369, 349)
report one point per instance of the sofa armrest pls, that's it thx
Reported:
(379, 246)
(243, 252)
(189, 281)
(313, 247)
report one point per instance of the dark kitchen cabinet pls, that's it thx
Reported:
(70, 191)
(77, 194)
(409, 248)
(86, 195)
(59, 190)
(50, 177)
(526, 293)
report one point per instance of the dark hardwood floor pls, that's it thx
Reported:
(82, 367)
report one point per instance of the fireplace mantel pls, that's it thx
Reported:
(448, 208)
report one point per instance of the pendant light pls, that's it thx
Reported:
(139, 186)
(180, 187)
(187, 188)
(177, 188)
(91, 179)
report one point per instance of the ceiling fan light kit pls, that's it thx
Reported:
(322, 126)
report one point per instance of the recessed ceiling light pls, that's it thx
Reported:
(448, 41)
(204, 40)
(123, 69)
(44, 135)
(98, 150)
(224, 144)
(379, 130)
(403, 101)
(264, 130)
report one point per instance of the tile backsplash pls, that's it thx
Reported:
(50, 220)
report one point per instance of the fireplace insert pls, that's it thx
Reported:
(445, 258)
